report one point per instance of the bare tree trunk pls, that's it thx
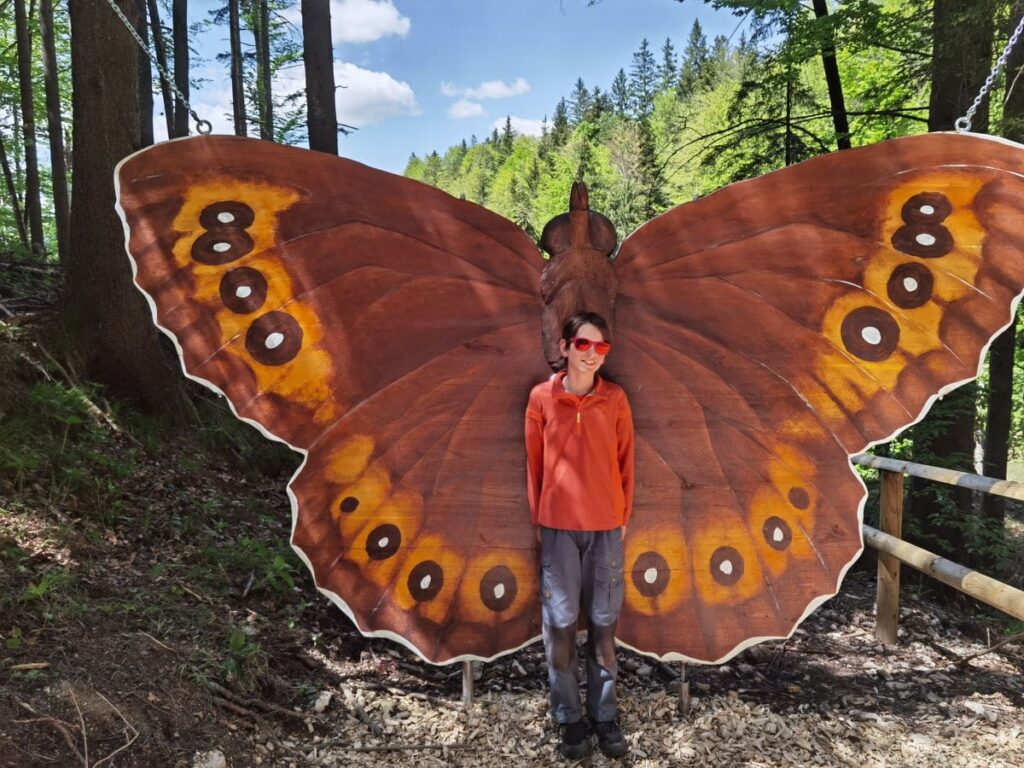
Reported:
(33, 206)
(145, 79)
(161, 59)
(263, 88)
(833, 81)
(180, 28)
(237, 81)
(318, 58)
(1000, 360)
(12, 190)
(55, 129)
(107, 320)
(962, 47)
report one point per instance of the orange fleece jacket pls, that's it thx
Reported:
(579, 457)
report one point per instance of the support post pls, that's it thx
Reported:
(887, 612)
(467, 684)
(684, 690)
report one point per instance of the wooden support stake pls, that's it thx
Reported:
(684, 690)
(467, 684)
(887, 612)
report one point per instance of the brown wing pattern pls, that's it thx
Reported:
(769, 331)
(387, 331)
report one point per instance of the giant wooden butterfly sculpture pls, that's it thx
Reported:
(391, 334)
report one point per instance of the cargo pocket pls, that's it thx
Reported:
(556, 607)
(608, 582)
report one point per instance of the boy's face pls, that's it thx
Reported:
(583, 363)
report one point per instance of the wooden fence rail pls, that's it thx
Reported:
(892, 550)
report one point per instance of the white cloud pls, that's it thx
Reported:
(363, 21)
(359, 21)
(492, 89)
(462, 109)
(521, 125)
(365, 96)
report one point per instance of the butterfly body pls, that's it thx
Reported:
(579, 274)
(389, 333)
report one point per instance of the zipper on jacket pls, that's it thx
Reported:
(579, 413)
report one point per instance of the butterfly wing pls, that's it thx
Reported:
(771, 330)
(387, 331)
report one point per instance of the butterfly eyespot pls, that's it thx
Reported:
(870, 333)
(650, 574)
(910, 285)
(221, 246)
(777, 533)
(425, 581)
(383, 542)
(274, 339)
(227, 213)
(349, 504)
(726, 566)
(929, 241)
(498, 588)
(799, 498)
(926, 208)
(243, 290)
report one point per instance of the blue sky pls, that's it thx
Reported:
(424, 74)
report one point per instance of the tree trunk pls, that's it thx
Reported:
(237, 74)
(318, 57)
(962, 46)
(263, 88)
(180, 29)
(12, 190)
(832, 80)
(55, 129)
(161, 59)
(33, 206)
(107, 321)
(1000, 360)
(145, 79)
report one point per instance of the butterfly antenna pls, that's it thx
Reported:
(579, 215)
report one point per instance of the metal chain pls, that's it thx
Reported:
(203, 127)
(963, 124)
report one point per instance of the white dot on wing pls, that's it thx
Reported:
(499, 591)
(243, 291)
(726, 567)
(274, 340)
(871, 335)
(651, 575)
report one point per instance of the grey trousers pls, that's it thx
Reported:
(581, 568)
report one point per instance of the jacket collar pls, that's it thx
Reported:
(600, 390)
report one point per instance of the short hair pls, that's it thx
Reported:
(574, 323)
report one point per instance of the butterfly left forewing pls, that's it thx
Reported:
(389, 332)
(799, 318)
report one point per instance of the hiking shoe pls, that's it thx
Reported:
(609, 739)
(575, 743)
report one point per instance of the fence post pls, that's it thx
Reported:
(887, 613)
(467, 683)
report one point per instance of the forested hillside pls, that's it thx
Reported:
(681, 120)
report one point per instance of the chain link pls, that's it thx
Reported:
(203, 127)
(963, 124)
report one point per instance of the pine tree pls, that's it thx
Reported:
(695, 59)
(620, 93)
(560, 124)
(600, 104)
(655, 198)
(508, 137)
(579, 102)
(643, 80)
(668, 74)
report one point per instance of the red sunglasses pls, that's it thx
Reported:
(601, 347)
